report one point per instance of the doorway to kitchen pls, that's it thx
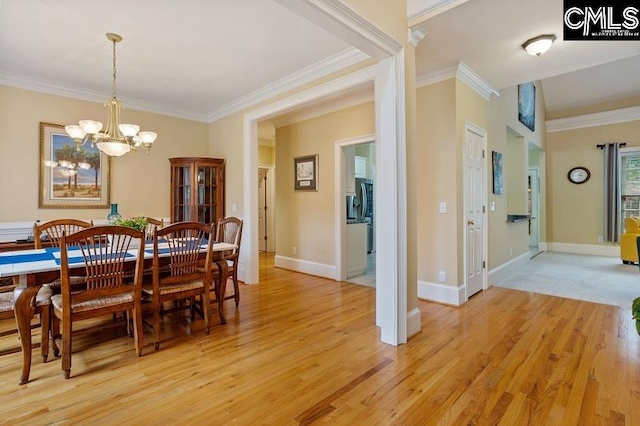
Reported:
(355, 193)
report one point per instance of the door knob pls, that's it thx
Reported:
(470, 222)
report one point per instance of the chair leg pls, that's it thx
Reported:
(66, 349)
(45, 325)
(138, 331)
(156, 326)
(55, 334)
(236, 290)
(206, 310)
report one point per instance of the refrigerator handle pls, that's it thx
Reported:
(365, 200)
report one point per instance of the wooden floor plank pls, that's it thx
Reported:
(305, 350)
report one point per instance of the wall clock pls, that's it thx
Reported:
(578, 175)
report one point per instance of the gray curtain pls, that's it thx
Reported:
(612, 192)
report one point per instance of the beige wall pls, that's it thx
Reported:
(437, 233)
(576, 211)
(305, 219)
(515, 174)
(266, 155)
(140, 184)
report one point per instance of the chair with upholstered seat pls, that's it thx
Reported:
(181, 245)
(105, 290)
(229, 230)
(41, 303)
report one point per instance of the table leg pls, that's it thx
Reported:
(24, 310)
(220, 290)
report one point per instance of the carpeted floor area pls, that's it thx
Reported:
(592, 278)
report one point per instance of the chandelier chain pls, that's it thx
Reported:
(113, 86)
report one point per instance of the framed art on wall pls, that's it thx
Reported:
(306, 173)
(71, 177)
(527, 105)
(496, 162)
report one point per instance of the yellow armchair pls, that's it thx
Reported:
(628, 247)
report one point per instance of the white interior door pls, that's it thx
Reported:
(475, 190)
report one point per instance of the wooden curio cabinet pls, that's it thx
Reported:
(197, 189)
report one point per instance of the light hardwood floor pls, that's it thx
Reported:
(302, 349)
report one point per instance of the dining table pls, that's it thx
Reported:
(36, 267)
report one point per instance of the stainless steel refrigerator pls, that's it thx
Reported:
(365, 209)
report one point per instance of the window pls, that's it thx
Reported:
(630, 183)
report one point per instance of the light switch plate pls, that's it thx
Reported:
(443, 207)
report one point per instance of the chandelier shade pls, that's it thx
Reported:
(117, 138)
(539, 45)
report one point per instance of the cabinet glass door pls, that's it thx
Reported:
(182, 193)
(207, 193)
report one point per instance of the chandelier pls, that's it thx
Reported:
(117, 139)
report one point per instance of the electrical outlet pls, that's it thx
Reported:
(510, 251)
(442, 276)
(600, 239)
(294, 250)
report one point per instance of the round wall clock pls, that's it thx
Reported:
(578, 175)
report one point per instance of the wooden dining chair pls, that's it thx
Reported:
(8, 297)
(181, 245)
(53, 230)
(229, 230)
(105, 290)
(152, 225)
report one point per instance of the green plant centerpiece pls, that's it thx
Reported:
(635, 312)
(137, 223)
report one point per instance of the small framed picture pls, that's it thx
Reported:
(496, 164)
(305, 171)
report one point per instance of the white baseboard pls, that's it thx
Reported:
(594, 250)
(441, 293)
(306, 267)
(501, 272)
(414, 323)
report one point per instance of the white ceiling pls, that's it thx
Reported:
(195, 58)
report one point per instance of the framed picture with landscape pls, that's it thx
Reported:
(70, 177)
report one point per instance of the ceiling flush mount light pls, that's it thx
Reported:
(538, 45)
(117, 139)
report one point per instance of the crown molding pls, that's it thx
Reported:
(436, 76)
(318, 70)
(27, 83)
(473, 80)
(463, 73)
(336, 17)
(435, 8)
(416, 34)
(595, 119)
